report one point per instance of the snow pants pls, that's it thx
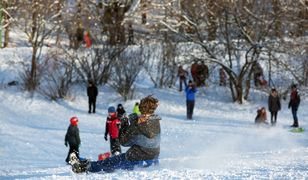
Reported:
(190, 104)
(115, 145)
(92, 103)
(118, 162)
(294, 113)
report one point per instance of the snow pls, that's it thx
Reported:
(220, 143)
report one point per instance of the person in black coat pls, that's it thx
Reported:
(274, 105)
(120, 111)
(92, 93)
(72, 138)
(294, 104)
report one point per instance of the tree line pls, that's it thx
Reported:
(235, 35)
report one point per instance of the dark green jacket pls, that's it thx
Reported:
(72, 136)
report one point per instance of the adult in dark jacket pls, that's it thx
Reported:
(294, 104)
(190, 99)
(92, 93)
(141, 134)
(72, 138)
(274, 105)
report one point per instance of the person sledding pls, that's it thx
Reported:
(261, 116)
(112, 128)
(141, 134)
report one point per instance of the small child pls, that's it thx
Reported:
(261, 116)
(112, 128)
(120, 111)
(136, 109)
(72, 138)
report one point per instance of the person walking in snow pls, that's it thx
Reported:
(72, 138)
(261, 116)
(92, 93)
(112, 128)
(120, 111)
(294, 104)
(222, 77)
(141, 135)
(182, 73)
(274, 105)
(190, 91)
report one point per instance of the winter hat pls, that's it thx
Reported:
(148, 105)
(111, 109)
(74, 121)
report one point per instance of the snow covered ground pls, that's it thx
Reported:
(220, 143)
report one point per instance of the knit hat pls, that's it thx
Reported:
(111, 109)
(148, 105)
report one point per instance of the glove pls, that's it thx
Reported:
(106, 138)
(65, 143)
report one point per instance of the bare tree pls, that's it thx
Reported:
(36, 16)
(57, 78)
(127, 66)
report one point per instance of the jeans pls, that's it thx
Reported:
(118, 162)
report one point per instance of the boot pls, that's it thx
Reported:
(77, 165)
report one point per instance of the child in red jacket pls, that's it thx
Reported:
(112, 128)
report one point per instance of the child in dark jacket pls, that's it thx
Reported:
(112, 128)
(72, 138)
(120, 111)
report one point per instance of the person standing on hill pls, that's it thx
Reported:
(274, 105)
(182, 73)
(112, 128)
(72, 138)
(190, 99)
(294, 104)
(92, 93)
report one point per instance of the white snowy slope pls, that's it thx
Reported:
(221, 142)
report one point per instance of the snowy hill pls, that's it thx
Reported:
(220, 143)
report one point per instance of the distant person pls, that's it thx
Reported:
(190, 91)
(222, 77)
(72, 138)
(141, 135)
(92, 93)
(136, 109)
(120, 111)
(202, 73)
(294, 104)
(274, 105)
(193, 71)
(113, 128)
(182, 74)
(87, 39)
(261, 116)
